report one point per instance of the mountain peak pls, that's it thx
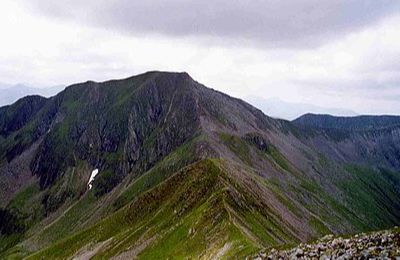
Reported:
(155, 74)
(152, 79)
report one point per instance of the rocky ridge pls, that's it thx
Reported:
(376, 245)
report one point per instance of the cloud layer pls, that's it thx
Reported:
(271, 23)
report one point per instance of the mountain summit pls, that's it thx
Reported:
(182, 170)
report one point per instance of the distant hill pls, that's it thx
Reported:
(11, 93)
(367, 140)
(278, 108)
(348, 123)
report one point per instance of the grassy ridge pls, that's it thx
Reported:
(193, 213)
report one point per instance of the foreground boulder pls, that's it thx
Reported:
(382, 245)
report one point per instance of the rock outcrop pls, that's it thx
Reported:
(376, 245)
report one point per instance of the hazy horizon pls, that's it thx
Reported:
(274, 106)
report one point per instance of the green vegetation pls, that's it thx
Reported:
(274, 185)
(190, 214)
(23, 198)
(323, 161)
(238, 146)
(21, 213)
(371, 193)
(318, 226)
(278, 157)
(334, 212)
(12, 227)
(105, 182)
(181, 157)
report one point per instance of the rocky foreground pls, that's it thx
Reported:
(375, 245)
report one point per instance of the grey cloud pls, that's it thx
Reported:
(270, 23)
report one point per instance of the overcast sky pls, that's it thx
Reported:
(329, 53)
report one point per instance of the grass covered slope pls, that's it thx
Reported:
(83, 210)
(197, 212)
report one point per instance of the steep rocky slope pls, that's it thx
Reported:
(374, 245)
(368, 140)
(183, 171)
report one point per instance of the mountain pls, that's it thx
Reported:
(11, 93)
(356, 123)
(278, 108)
(370, 140)
(181, 170)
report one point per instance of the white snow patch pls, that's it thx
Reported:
(94, 173)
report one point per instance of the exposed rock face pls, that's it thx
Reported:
(376, 245)
(129, 130)
(257, 140)
(362, 139)
(16, 116)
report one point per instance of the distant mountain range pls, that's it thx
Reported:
(184, 171)
(11, 93)
(356, 123)
(278, 108)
